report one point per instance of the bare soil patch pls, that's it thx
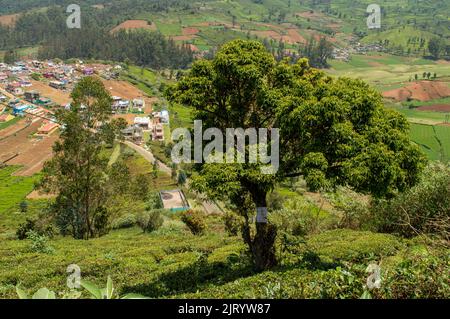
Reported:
(10, 130)
(420, 91)
(309, 14)
(123, 89)
(190, 31)
(58, 96)
(9, 20)
(29, 151)
(436, 108)
(37, 195)
(183, 37)
(294, 37)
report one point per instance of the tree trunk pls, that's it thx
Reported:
(263, 245)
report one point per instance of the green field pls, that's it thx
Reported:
(13, 189)
(434, 140)
(387, 72)
(9, 123)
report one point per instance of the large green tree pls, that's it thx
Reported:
(332, 132)
(436, 46)
(76, 173)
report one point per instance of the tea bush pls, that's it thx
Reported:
(354, 246)
(232, 223)
(150, 221)
(195, 221)
(39, 226)
(39, 243)
(424, 209)
(126, 221)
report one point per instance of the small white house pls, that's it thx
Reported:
(143, 122)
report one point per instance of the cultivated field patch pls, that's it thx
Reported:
(9, 20)
(135, 24)
(420, 91)
(22, 148)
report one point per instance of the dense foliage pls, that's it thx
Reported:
(93, 41)
(75, 173)
(332, 132)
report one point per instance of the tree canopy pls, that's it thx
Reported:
(332, 132)
(76, 173)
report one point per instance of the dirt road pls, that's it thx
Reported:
(209, 207)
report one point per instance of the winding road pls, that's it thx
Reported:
(209, 207)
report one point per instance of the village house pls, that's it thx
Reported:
(14, 88)
(20, 110)
(138, 105)
(25, 82)
(161, 117)
(158, 132)
(47, 128)
(6, 118)
(134, 134)
(143, 122)
(32, 96)
(119, 104)
(48, 75)
(43, 101)
(88, 71)
(174, 200)
(58, 85)
(37, 64)
(3, 77)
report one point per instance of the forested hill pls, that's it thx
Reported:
(407, 26)
(47, 29)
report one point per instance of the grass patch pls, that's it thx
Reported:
(9, 123)
(14, 189)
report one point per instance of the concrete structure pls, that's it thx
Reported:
(158, 132)
(20, 110)
(134, 134)
(143, 122)
(174, 200)
(47, 128)
(58, 85)
(32, 96)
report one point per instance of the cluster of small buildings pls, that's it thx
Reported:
(16, 80)
(154, 125)
(341, 54)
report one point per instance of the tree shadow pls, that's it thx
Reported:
(193, 278)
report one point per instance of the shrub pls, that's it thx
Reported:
(39, 243)
(150, 221)
(353, 207)
(232, 222)
(24, 228)
(349, 245)
(23, 207)
(417, 276)
(275, 201)
(125, 221)
(194, 220)
(300, 218)
(40, 227)
(101, 221)
(424, 209)
(154, 201)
